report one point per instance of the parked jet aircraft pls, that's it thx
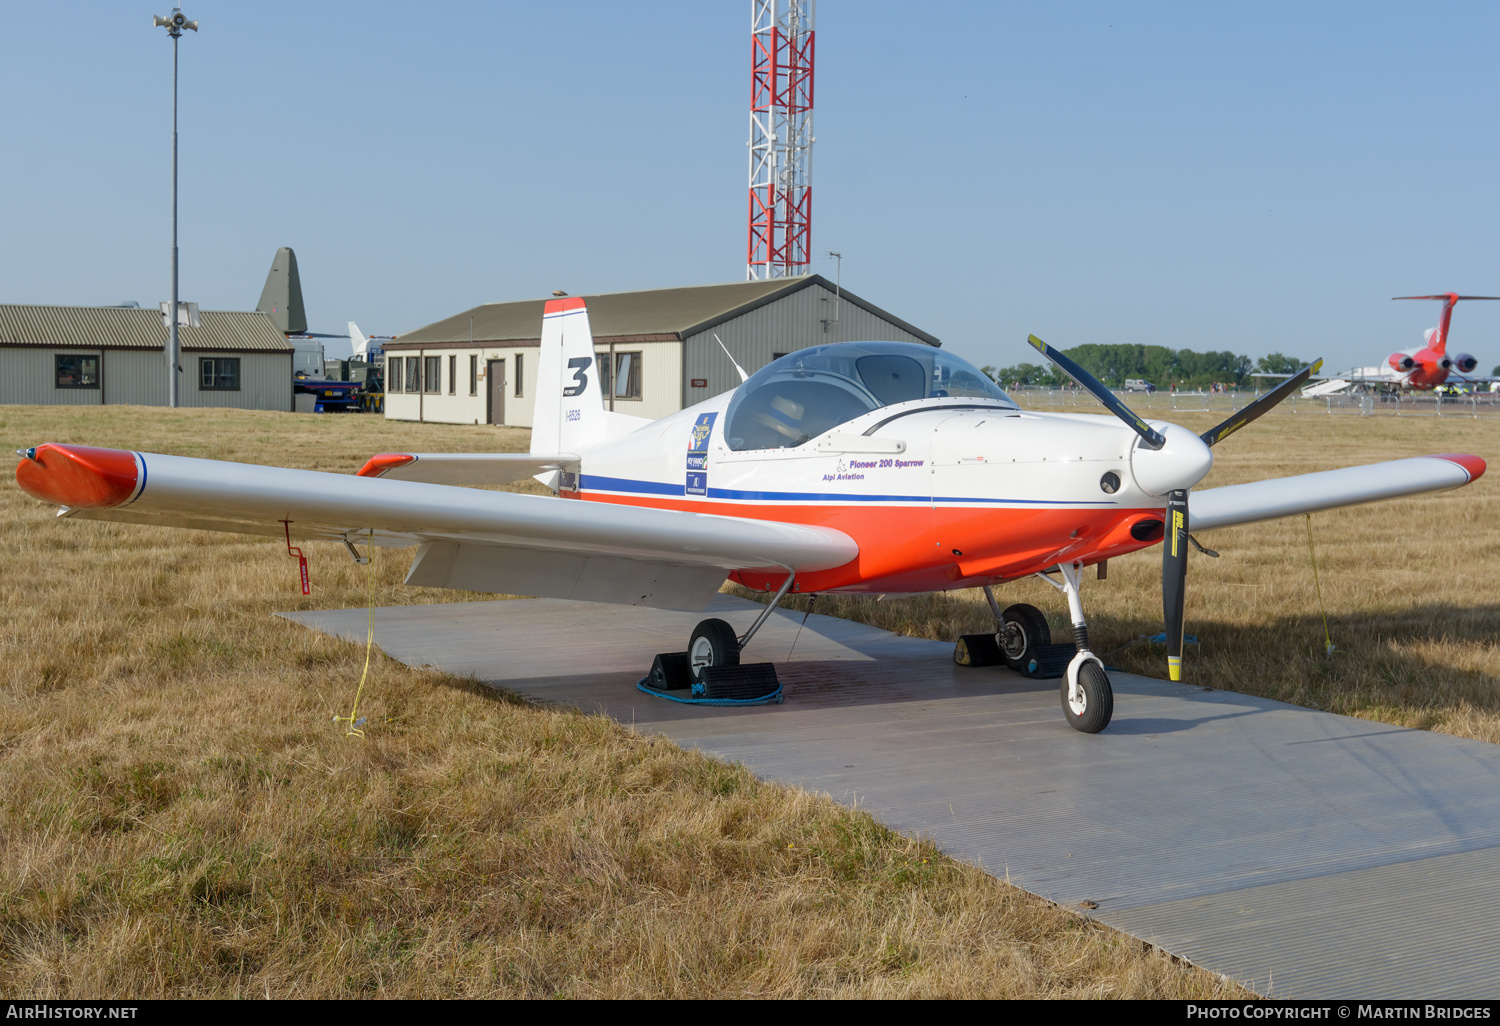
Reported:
(855, 467)
(1431, 365)
(1423, 368)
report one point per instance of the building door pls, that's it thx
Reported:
(495, 375)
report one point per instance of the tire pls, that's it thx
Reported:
(713, 643)
(1023, 630)
(1098, 700)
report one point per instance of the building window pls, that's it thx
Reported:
(413, 374)
(452, 375)
(777, 356)
(219, 374)
(519, 375)
(473, 375)
(393, 371)
(626, 377)
(76, 371)
(434, 371)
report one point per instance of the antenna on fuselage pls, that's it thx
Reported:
(743, 376)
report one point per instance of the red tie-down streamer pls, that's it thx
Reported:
(301, 559)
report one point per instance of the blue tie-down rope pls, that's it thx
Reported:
(1154, 639)
(699, 696)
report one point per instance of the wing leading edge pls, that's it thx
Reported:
(1330, 489)
(491, 541)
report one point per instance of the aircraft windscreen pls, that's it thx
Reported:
(807, 393)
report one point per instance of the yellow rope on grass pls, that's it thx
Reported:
(1327, 638)
(354, 724)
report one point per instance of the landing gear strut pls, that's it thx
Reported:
(1088, 701)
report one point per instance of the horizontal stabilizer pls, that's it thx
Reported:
(1446, 296)
(1329, 489)
(462, 468)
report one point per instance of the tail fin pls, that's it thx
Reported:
(1437, 339)
(358, 341)
(569, 416)
(281, 299)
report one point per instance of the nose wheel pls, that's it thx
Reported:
(1088, 701)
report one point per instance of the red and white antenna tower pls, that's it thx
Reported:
(781, 101)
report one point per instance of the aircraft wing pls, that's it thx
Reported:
(472, 539)
(1329, 489)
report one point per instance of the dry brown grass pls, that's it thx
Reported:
(1411, 588)
(179, 816)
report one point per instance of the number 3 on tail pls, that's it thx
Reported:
(579, 364)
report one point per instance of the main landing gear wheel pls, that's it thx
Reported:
(714, 643)
(1023, 629)
(1091, 710)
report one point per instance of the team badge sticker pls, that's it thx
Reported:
(697, 454)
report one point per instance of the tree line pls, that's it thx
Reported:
(1113, 364)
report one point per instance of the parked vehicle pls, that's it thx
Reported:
(332, 396)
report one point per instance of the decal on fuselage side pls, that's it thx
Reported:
(697, 454)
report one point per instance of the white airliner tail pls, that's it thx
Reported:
(358, 341)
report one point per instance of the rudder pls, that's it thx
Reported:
(569, 416)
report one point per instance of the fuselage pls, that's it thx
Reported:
(939, 492)
(1421, 368)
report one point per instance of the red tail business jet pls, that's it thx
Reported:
(857, 467)
(1432, 364)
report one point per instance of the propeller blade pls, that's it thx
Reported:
(1150, 438)
(1174, 552)
(1261, 405)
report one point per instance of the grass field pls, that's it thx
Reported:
(180, 816)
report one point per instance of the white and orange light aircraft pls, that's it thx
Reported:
(857, 467)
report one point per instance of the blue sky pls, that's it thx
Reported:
(1254, 177)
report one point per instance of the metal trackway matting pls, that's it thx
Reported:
(1304, 854)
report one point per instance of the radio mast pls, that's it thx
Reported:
(781, 138)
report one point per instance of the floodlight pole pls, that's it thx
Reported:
(174, 26)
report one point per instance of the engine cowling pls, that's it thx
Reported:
(1464, 363)
(1402, 361)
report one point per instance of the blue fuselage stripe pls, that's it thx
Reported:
(620, 484)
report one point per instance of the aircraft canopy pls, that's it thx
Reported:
(807, 393)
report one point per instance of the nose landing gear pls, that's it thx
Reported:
(1088, 701)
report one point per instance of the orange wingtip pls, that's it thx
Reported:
(1473, 464)
(562, 305)
(79, 476)
(378, 465)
